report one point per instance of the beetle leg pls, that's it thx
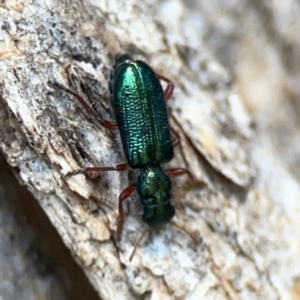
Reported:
(170, 86)
(106, 124)
(167, 94)
(120, 167)
(123, 196)
(175, 172)
(176, 138)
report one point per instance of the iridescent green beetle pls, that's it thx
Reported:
(139, 104)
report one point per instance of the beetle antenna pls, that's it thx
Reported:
(191, 235)
(137, 243)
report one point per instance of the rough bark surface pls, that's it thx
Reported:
(244, 220)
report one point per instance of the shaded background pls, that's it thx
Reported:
(34, 262)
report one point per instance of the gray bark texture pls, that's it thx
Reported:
(238, 234)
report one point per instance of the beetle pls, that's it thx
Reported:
(139, 104)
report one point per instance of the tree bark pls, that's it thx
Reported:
(243, 222)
